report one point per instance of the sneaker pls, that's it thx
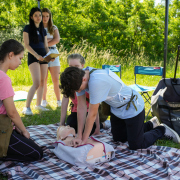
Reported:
(44, 103)
(41, 108)
(155, 121)
(171, 134)
(27, 111)
(59, 103)
(106, 124)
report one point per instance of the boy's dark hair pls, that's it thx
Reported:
(71, 80)
(8, 46)
(33, 36)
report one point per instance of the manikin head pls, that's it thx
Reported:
(65, 131)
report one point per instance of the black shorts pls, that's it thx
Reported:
(32, 59)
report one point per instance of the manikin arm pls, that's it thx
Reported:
(64, 107)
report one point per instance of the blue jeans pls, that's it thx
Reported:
(139, 135)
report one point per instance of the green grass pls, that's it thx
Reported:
(21, 80)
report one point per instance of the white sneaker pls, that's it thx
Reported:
(155, 121)
(41, 108)
(59, 103)
(27, 111)
(106, 124)
(44, 103)
(171, 134)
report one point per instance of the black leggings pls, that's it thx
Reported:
(72, 122)
(22, 149)
(138, 134)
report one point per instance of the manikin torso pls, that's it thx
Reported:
(95, 155)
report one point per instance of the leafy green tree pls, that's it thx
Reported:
(123, 26)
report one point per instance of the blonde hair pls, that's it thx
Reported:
(76, 56)
(50, 22)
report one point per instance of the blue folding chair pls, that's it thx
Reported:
(113, 68)
(146, 70)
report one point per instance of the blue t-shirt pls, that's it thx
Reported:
(41, 38)
(104, 85)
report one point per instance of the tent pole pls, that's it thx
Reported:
(166, 37)
(38, 3)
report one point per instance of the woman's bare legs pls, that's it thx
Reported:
(55, 72)
(45, 87)
(43, 70)
(36, 75)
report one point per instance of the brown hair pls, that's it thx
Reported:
(50, 22)
(8, 46)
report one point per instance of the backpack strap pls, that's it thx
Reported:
(90, 72)
(131, 101)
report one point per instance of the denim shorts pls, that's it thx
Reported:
(56, 62)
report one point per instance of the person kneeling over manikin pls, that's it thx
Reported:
(91, 153)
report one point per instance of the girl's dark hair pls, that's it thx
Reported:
(8, 46)
(33, 36)
(71, 80)
(50, 22)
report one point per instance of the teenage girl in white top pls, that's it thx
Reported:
(53, 38)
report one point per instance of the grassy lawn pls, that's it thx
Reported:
(49, 117)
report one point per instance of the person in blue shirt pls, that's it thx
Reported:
(126, 107)
(35, 41)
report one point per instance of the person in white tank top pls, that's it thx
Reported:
(53, 38)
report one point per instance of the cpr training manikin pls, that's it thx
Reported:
(89, 154)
